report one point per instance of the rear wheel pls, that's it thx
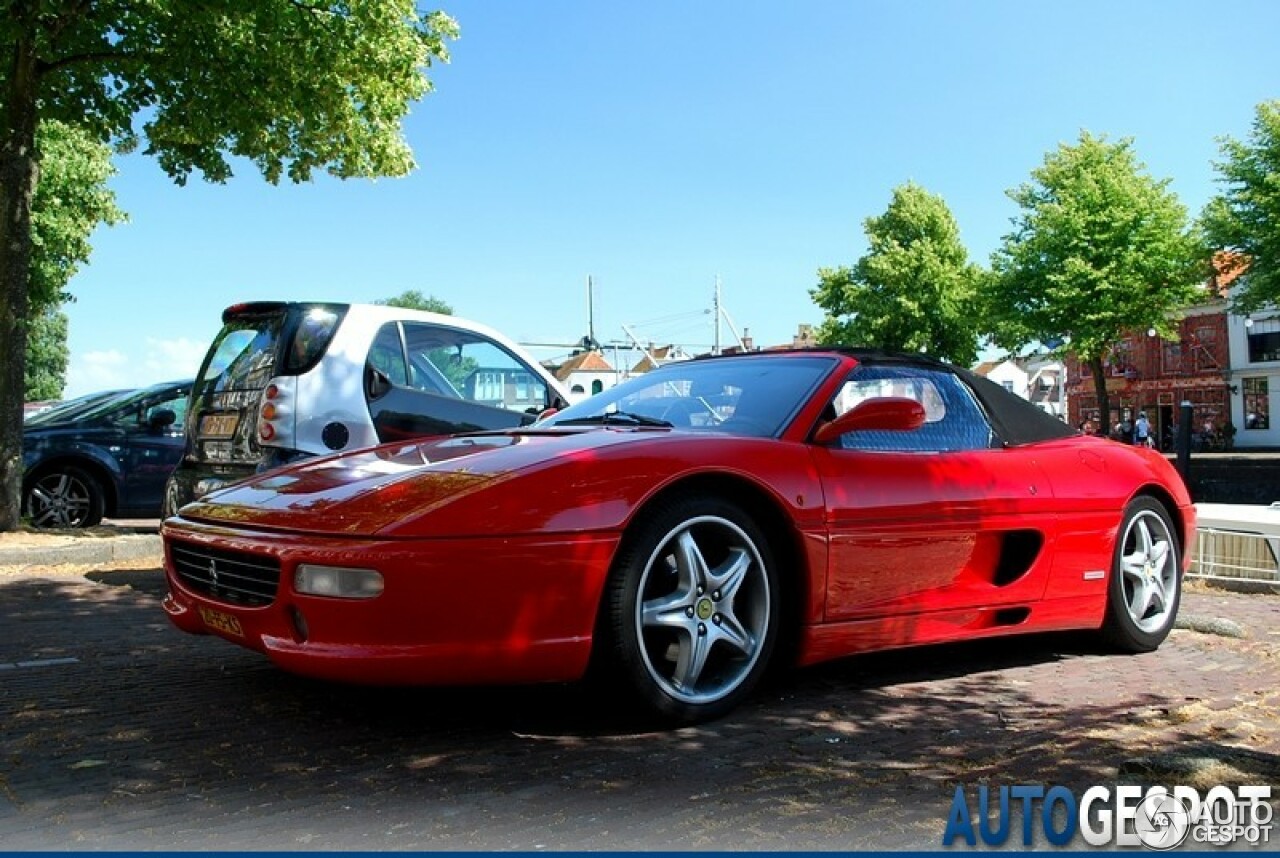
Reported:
(64, 497)
(1146, 579)
(693, 609)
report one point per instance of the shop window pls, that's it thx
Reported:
(1256, 413)
(1264, 341)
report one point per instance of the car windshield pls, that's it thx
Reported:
(749, 395)
(72, 408)
(127, 409)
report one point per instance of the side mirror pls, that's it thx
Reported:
(160, 418)
(883, 413)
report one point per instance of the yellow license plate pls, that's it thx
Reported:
(220, 622)
(218, 425)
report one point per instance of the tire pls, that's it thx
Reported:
(1146, 579)
(692, 606)
(64, 497)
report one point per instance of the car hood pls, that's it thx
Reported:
(373, 490)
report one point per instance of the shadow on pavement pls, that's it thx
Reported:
(196, 732)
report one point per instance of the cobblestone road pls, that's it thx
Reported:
(120, 732)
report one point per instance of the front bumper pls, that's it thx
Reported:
(453, 611)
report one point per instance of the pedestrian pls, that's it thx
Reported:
(1124, 429)
(1142, 430)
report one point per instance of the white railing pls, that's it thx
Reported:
(1230, 555)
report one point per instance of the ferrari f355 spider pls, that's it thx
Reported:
(690, 529)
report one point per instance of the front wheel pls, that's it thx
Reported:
(693, 607)
(66, 497)
(1146, 579)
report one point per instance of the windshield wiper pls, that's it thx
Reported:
(623, 418)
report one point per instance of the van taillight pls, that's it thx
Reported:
(266, 431)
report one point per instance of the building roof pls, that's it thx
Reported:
(984, 369)
(661, 354)
(583, 362)
(1227, 268)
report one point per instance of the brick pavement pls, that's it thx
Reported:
(123, 733)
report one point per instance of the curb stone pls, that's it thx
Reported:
(88, 551)
(1210, 625)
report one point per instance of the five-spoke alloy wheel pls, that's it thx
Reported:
(67, 497)
(694, 609)
(1146, 578)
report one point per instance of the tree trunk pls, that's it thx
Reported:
(19, 172)
(1104, 402)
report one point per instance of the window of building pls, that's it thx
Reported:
(1264, 341)
(489, 386)
(597, 386)
(1204, 346)
(1008, 385)
(1256, 414)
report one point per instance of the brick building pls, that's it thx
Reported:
(1147, 373)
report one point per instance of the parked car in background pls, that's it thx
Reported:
(284, 381)
(68, 408)
(111, 458)
(689, 529)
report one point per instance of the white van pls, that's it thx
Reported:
(284, 380)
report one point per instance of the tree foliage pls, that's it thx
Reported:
(912, 291)
(412, 299)
(70, 202)
(290, 86)
(1098, 250)
(46, 371)
(1245, 217)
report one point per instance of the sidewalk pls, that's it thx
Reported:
(123, 734)
(113, 541)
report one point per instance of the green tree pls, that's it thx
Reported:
(47, 356)
(912, 291)
(1245, 217)
(1098, 250)
(71, 200)
(412, 299)
(291, 86)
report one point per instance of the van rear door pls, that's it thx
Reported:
(258, 341)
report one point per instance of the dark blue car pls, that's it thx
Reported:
(111, 460)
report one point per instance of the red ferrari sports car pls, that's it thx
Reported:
(689, 529)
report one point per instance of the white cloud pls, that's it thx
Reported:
(152, 360)
(169, 360)
(92, 371)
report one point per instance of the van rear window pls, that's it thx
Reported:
(242, 357)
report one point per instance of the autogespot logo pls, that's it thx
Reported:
(1157, 818)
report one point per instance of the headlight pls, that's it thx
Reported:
(337, 582)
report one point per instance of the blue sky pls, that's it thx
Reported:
(658, 146)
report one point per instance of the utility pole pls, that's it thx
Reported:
(715, 349)
(591, 312)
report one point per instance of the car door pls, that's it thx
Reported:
(149, 452)
(932, 519)
(425, 379)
